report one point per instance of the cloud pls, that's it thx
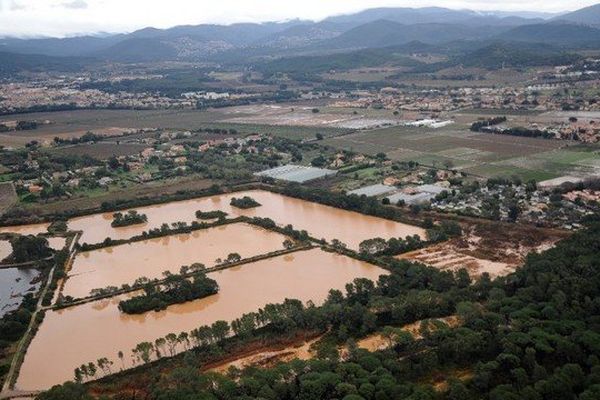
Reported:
(72, 17)
(16, 6)
(75, 4)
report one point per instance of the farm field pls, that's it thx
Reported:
(148, 189)
(101, 150)
(484, 155)
(70, 124)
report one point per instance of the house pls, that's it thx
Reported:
(177, 149)
(180, 160)
(145, 177)
(35, 188)
(391, 181)
(204, 147)
(73, 183)
(147, 152)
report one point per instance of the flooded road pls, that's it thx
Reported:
(118, 265)
(70, 337)
(319, 220)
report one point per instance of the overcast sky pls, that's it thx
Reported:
(70, 17)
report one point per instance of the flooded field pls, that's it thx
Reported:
(87, 332)
(14, 284)
(115, 266)
(33, 229)
(57, 243)
(5, 249)
(319, 220)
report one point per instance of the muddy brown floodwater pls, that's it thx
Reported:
(70, 337)
(5, 249)
(114, 266)
(319, 220)
(33, 229)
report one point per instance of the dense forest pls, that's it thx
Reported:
(531, 335)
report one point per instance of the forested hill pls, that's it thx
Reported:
(533, 335)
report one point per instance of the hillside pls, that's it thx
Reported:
(553, 33)
(587, 16)
(383, 33)
(368, 29)
(502, 54)
(11, 63)
(340, 61)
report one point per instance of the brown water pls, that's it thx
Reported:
(5, 249)
(114, 266)
(57, 242)
(319, 220)
(33, 229)
(70, 337)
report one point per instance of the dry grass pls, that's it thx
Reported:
(101, 150)
(152, 189)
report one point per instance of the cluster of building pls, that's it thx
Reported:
(536, 97)
(25, 95)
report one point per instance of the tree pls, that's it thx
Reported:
(121, 356)
(29, 248)
(233, 258)
(220, 330)
(91, 368)
(68, 391)
(338, 244)
(78, 375)
(172, 342)
(319, 161)
(143, 351)
(184, 339)
(372, 246)
(288, 244)
(159, 345)
(105, 365)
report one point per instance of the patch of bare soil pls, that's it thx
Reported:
(497, 249)
(266, 359)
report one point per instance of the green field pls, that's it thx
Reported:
(484, 155)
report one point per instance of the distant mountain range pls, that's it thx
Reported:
(369, 29)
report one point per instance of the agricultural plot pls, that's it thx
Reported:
(71, 124)
(101, 151)
(484, 155)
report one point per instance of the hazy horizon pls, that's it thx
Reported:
(63, 18)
